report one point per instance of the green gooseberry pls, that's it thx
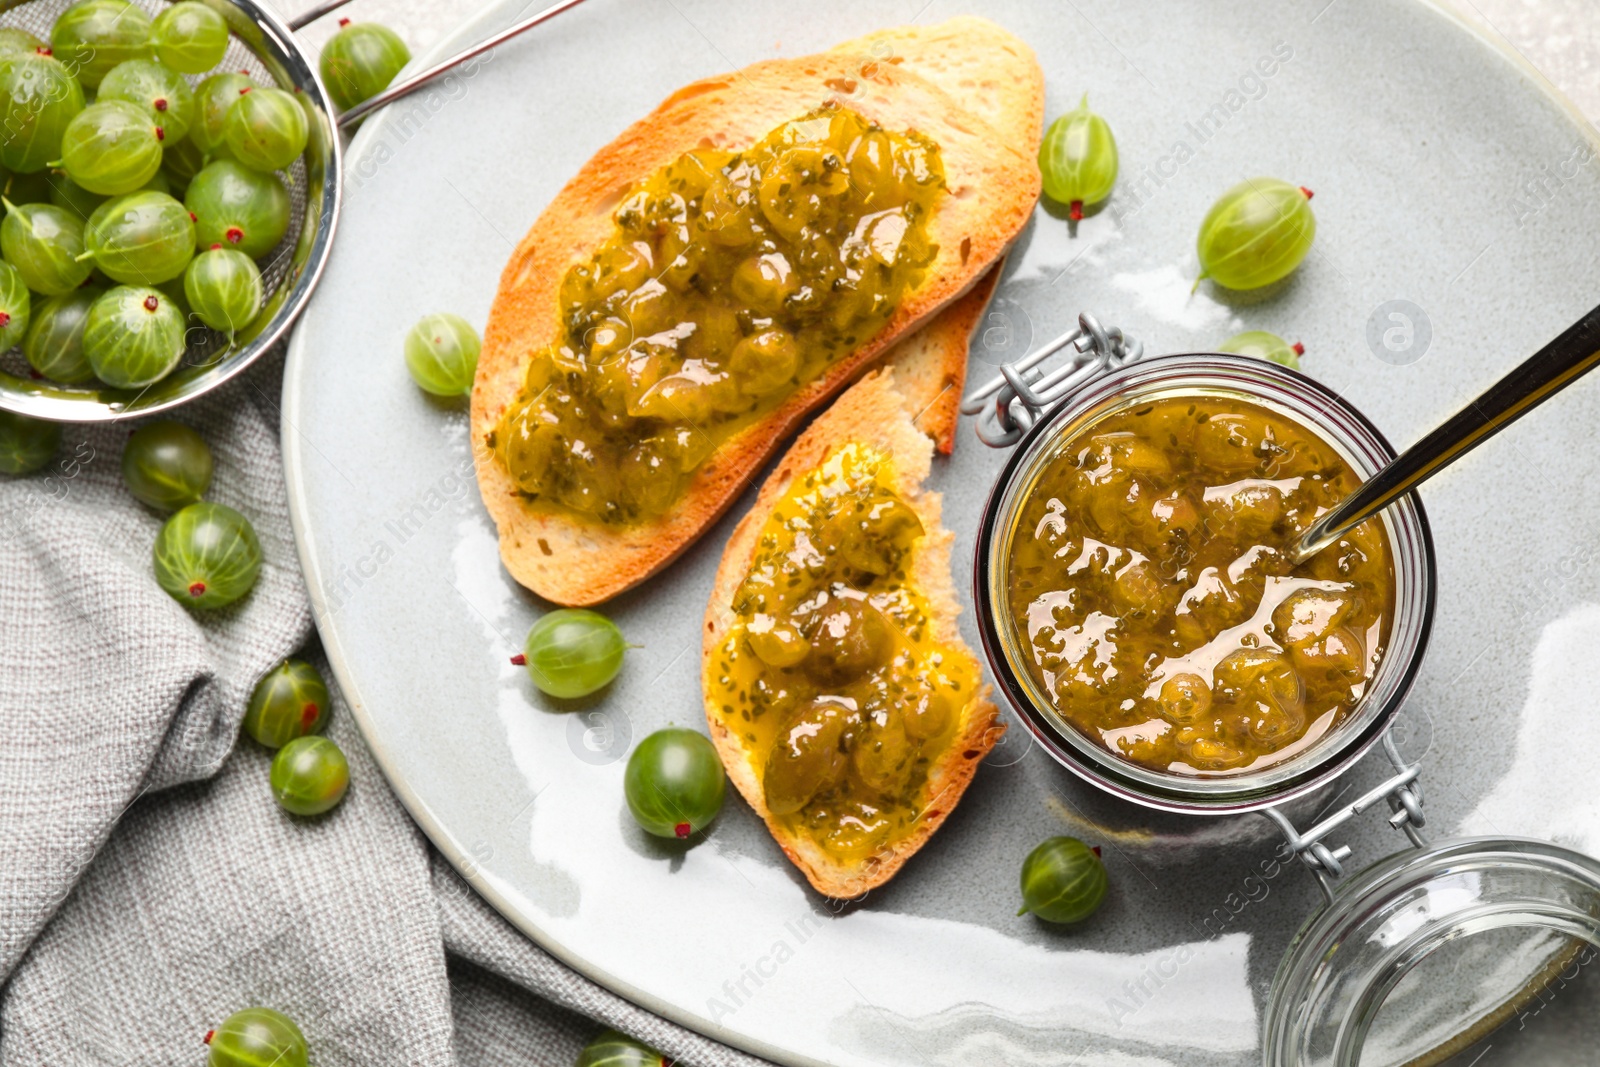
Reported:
(238, 208)
(360, 61)
(189, 37)
(224, 288)
(134, 336)
(442, 354)
(16, 305)
(26, 444)
(1255, 234)
(1078, 159)
(15, 40)
(309, 776)
(1264, 345)
(44, 243)
(674, 783)
(257, 1037)
(53, 344)
(1063, 881)
(39, 98)
(166, 465)
(572, 652)
(160, 90)
(111, 147)
(288, 702)
(213, 99)
(93, 36)
(207, 556)
(614, 1049)
(266, 129)
(140, 239)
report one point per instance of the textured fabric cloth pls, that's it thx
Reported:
(149, 884)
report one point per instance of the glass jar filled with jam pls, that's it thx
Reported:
(1139, 599)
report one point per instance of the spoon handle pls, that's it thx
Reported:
(1541, 376)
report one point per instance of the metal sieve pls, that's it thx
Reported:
(263, 46)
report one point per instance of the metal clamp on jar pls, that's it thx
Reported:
(1372, 942)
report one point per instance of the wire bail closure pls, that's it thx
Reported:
(1010, 404)
(1403, 791)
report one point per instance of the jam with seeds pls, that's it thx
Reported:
(831, 674)
(1151, 587)
(729, 279)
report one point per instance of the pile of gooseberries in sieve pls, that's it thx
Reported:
(136, 203)
(152, 185)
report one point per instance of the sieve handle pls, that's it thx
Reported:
(444, 66)
(306, 18)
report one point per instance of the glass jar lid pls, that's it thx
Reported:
(1428, 950)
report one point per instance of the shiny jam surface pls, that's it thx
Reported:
(831, 674)
(1150, 582)
(729, 279)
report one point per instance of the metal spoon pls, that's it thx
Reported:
(1550, 370)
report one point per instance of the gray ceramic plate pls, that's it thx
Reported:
(1451, 187)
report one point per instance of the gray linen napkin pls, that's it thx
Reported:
(150, 886)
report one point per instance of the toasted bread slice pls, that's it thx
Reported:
(997, 77)
(873, 412)
(992, 188)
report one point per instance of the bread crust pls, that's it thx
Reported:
(931, 365)
(997, 77)
(992, 188)
(873, 412)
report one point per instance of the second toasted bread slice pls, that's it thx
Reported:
(873, 743)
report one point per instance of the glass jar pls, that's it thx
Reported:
(1361, 982)
(1430, 949)
(1280, 390)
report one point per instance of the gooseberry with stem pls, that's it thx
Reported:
(442, 354)
(167, 465)
(160, 90)
(111, 147)
(289, 701)
(53, 345)
(360, 61)
(189, 37)
(134, 337)
(1257, 233)
(1264, 345)
(1078, 159)
(1063, 881)
(207, 556)
(239, 208)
